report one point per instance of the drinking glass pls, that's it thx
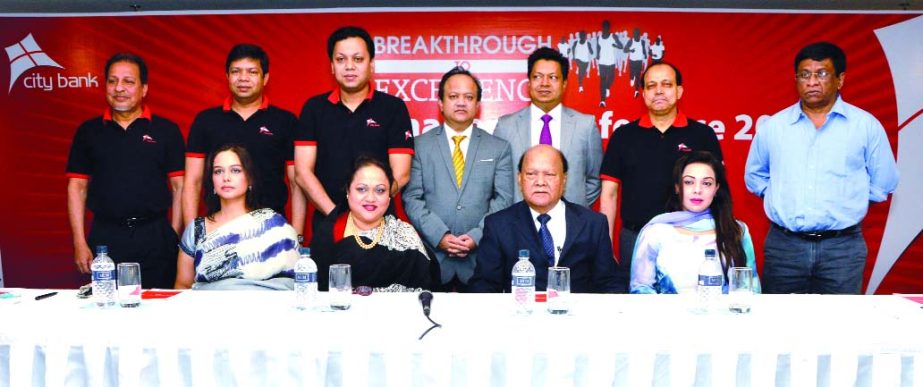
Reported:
(558, 290)
(129, 283)
(341, 287)
(740, 289)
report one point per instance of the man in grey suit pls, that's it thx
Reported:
(459, 175)
(546, 121)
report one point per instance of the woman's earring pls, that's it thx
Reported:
(250, 188)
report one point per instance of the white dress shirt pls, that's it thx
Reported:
(449, 133)
(557, 226)
(554, 125)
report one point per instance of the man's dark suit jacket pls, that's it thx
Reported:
(587, 251)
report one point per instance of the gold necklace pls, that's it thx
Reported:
(354, 230)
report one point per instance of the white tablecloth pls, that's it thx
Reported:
(258, 338)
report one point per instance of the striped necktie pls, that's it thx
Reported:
(545, 235)
(458, 159)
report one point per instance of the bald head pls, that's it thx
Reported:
(560, 155)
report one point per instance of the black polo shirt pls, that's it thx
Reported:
(268, 135)
(128, 169)
(380, 126)
(641, 158)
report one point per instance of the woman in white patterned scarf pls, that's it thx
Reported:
(385, 253)
(238, 245)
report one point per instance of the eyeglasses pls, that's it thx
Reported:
(805, 76)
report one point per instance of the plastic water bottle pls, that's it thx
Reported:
(103, 278)
(523, 286)
(711, 280)
(305, 281)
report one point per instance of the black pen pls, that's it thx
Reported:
(44, 296)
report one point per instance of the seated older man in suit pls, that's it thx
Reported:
(556, 232)
(459, 174)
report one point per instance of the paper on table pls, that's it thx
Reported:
(156, 294)
(9, 297)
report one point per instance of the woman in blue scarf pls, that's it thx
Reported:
(671, 246)
(239, 244)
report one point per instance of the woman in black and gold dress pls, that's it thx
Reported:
(384, 252)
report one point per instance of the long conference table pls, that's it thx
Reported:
(237, 338)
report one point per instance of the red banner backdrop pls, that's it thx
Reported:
(737, 68)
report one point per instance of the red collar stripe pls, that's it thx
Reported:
(228, 101)
(679, 122)
(334, 96)
(145, 113)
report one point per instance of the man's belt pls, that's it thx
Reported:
(817, 235)
(130, 222)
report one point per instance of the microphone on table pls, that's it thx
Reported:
(426, 299)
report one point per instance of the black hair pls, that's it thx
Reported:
(558, 151)
(130, 58)
(212, 201)
(823, 50)
(728, 232)
(457, 70)
(347, 32)
(548, 53)
(250, 51)
(363, 161)
(679, 75)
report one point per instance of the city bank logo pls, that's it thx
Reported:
(26, 55)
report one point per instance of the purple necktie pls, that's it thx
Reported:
(545, 138)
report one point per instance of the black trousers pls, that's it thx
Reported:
(606, 76)
(634, 71)
(455, 285)
(151, 243)
(627, 239)
(581, 71)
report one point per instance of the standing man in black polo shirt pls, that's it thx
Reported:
(119, 167)
(247, 119)
(640, 158)
(353, 119)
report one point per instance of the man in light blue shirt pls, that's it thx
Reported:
(817, 165)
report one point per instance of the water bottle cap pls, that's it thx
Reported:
(523, 253)
(304, 251)
(102, 249)
(709, 252)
